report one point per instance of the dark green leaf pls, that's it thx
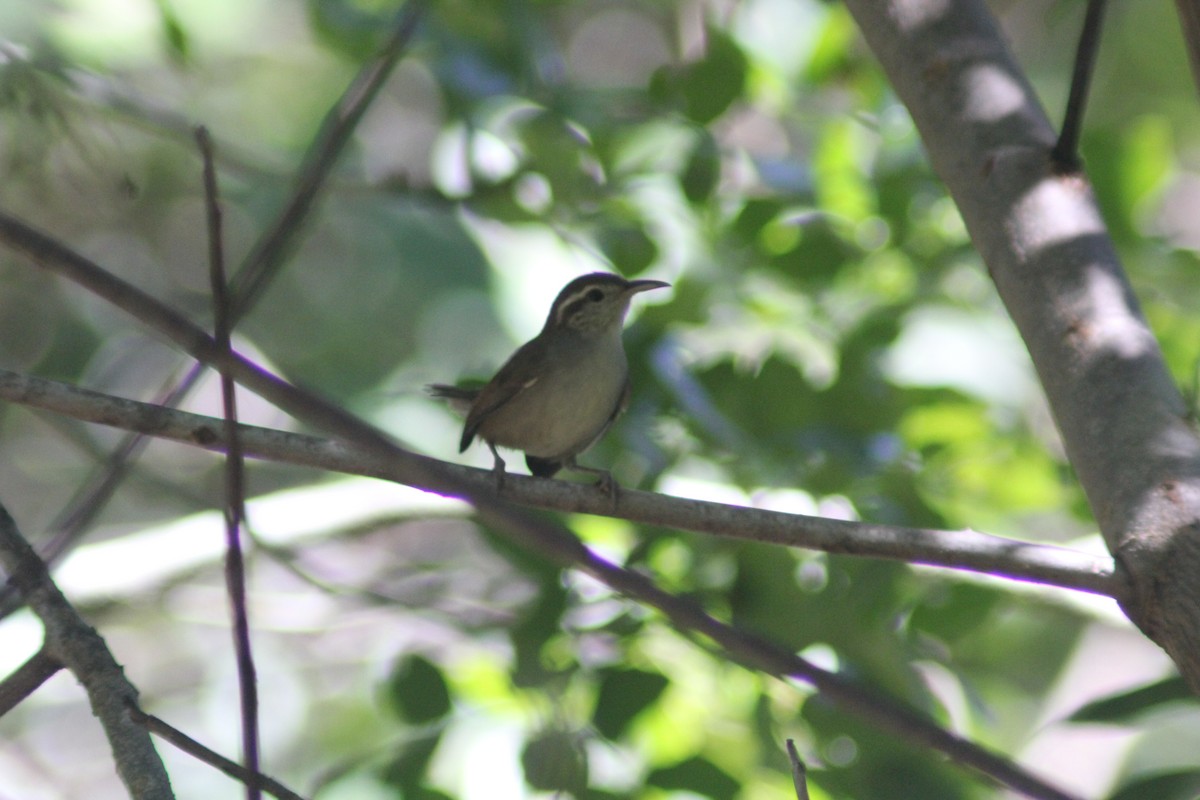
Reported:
(702, 170)
(406, 769)
(628, 247)
(178, 44)
(624, 693)
(1167, 786)
(711, 84)
(554, 761)
(538, 624)
(697, 775)
(1123, 706)
(418, 690)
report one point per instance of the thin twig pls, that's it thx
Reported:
(963, 549)
(799, 771)
(77, 646)
(187, 744)
(1066, 150)
(235, 501)
(271, 250)
(40, 667)
(549, 540)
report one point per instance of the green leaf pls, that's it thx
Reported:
(540, 622)
(1166, 786)
(698, 775)
(354, 27)
(553, 761)
(418, 691)
(707, 87)
(628, 247)
(624, 693)
(406, 769)
(702, 170)
(178, 44)
(1123, 706)
(711, 84)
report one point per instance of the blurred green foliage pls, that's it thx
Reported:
(832, 346)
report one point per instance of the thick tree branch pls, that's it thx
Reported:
(966, 549)
(1123, 422)
(73, 643)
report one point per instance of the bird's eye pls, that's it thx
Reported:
(595, 295)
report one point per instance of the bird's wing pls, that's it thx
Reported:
(508, 383)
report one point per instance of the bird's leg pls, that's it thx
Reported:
(497, 468)
(606, 483)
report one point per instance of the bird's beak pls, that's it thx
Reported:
(644, 286)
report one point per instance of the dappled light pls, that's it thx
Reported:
(844, 514)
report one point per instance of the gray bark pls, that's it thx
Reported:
(1122, 419)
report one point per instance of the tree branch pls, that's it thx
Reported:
(235, 488)
(965, 549)
(549, 540)
(76, 645)
(1123, 422)
(1066, 151)
(211, 757)
(39, 668)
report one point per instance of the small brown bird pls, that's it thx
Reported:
(560, 391)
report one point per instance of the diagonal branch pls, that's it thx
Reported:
(73, 643)
(37, 669)
(187, 744)
(272, 248)
(965, 549)
(549, 540)
(1123, 422)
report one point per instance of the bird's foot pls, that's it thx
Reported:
(605, 481)
(498, 473)
(609, 486)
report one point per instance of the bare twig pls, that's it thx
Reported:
(235, 505)
(1066, 150)
(273, 248)
(799, 771)
(549, 540)
(76, 645)
(964, 549)
(40, 667)
(187, 744)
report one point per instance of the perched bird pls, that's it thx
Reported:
(560, 391)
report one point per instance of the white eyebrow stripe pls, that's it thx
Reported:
(567, 301)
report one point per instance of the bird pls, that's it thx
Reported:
(559, 393)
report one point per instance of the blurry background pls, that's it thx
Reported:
(831, 345)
